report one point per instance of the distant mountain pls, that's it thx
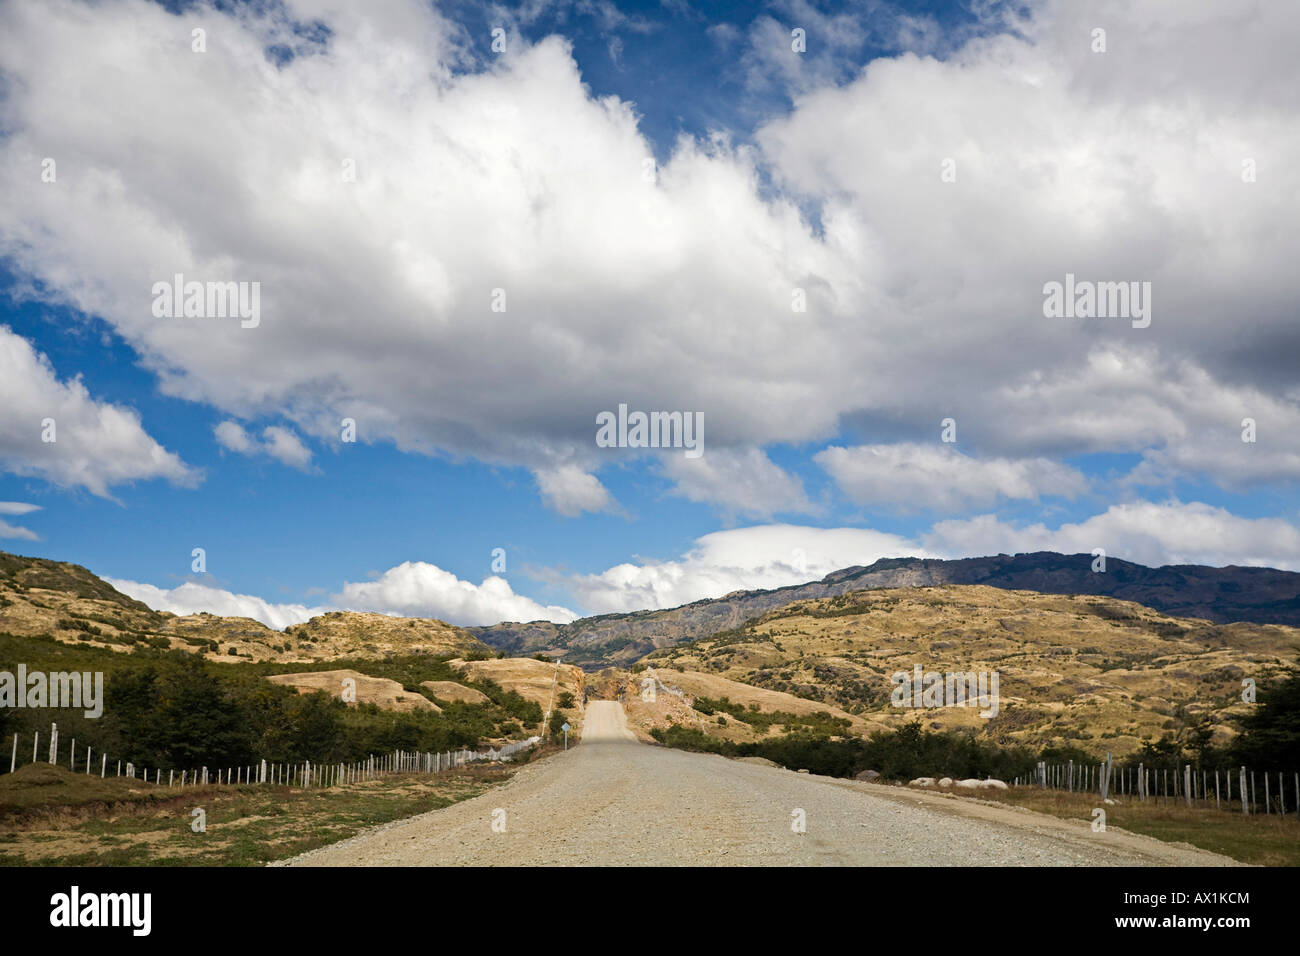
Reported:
(1220, 595)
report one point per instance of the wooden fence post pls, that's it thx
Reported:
(1187, 783)
(13, 760)
(1245, 806)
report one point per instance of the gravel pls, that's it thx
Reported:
(615, 801)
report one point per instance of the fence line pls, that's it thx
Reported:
(1194, 788)
(303, 774)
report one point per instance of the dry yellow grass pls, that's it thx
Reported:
(384, 693)
(448, 690)
(531, 679)
(1089, 671)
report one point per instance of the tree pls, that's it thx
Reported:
(196, 720)
(1270, 737)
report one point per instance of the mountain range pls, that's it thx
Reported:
(1219, 595)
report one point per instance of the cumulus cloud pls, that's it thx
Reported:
(279, 443)
(1149, 533)
(378, 293)
(742, 482)
(419, 589)
(194, 598)
(95, 446)
(411, 589)
(937, 477)
(772, 556)
(571, 491)
(763, 556)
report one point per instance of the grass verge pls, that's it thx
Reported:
(50, 816)
(1262, 839)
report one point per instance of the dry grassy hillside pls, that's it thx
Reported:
(371, 635)
(1089, 671)
(383, 693)
(531, 679)
(675, 691)
(69, 603)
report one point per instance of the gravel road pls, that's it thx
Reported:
(615, 801)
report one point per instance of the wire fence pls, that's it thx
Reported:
(1251, 792)
(305, 774)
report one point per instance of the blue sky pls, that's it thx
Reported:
(776, 171)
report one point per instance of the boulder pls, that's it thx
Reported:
(992, 784)
(968, 784)
(870, 776)
(921, 782)
(945, 781)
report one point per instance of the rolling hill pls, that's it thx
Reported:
(71, 604)
(1089, 671)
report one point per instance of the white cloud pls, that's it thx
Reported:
(419, 589)
(96, 445)
(763, 556)
(193, 598)
(1148, 533)
(376, 293)
(571, 491)
(279, 443)
(8, 530)
(233, 437)
(937, 477)
(743, 482)
(411, 589)
(773, 556)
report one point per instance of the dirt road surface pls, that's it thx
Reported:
(616, 801)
